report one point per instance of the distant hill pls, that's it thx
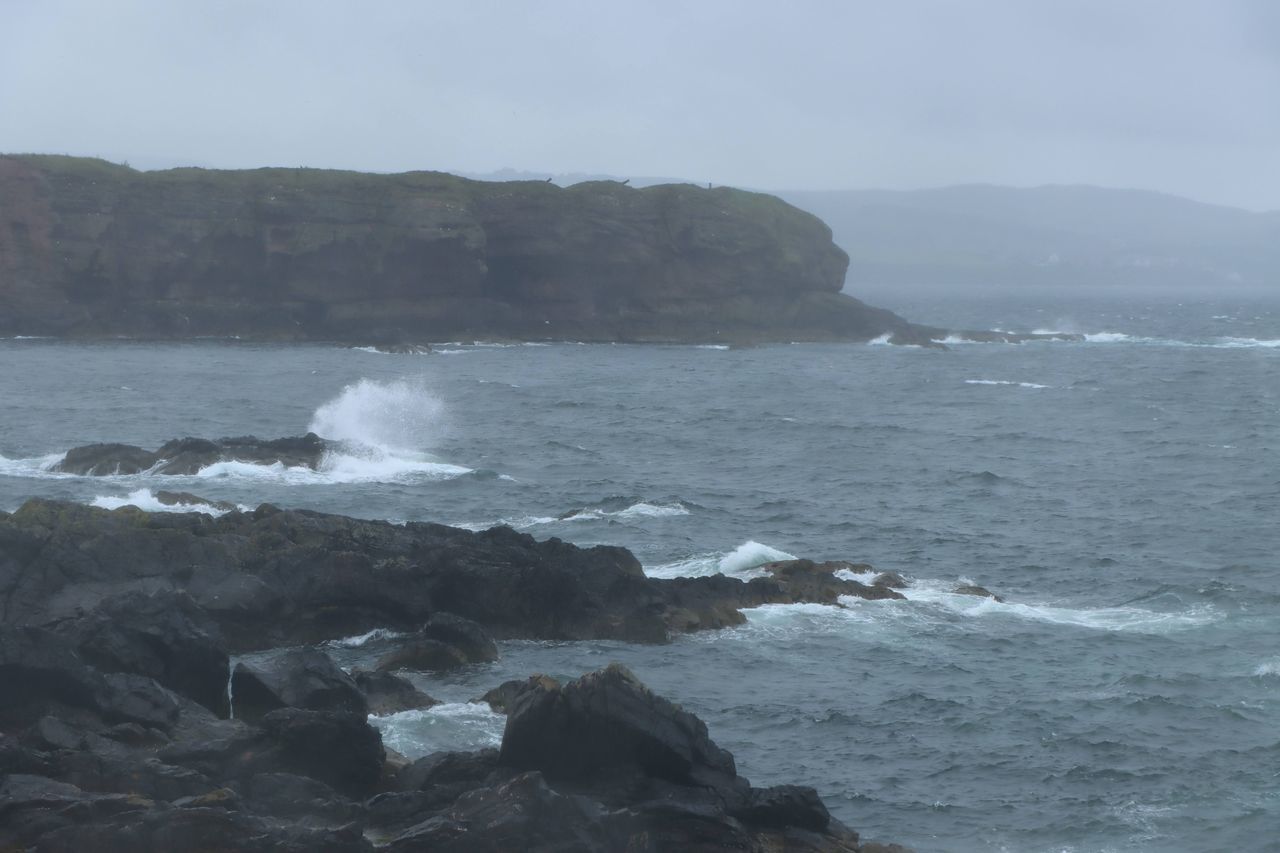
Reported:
(1051, 235)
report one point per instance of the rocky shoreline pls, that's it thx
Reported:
(124, 725)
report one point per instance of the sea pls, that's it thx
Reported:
(1121, 493)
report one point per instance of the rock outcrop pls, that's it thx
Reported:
(118, 732)
(89, 248)
(273, 577)
(186, 456)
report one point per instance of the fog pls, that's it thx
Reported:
(1171, 96)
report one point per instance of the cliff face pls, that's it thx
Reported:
(89, 248)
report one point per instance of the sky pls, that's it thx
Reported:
(1180, 96)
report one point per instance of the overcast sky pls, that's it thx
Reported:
(1175, 95)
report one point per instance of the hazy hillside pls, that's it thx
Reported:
(1076, 235)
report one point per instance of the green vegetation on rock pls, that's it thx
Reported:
(90, 248)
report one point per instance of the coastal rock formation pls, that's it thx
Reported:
(272, 578)
(89, 248)
(92, 760)
(186, 456)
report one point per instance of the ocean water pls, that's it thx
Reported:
(1122, 494)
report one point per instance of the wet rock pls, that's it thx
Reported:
(463, 634)
(504, 697)
(187, 499)
(288, 795)
(423, 656)
(342, 751)
(892, 580)
(806, 580)
(386, 693)
(187, 456)
(522, 814)
(786, 805)
(607, 719)
(981, 592)
(301, 678)
(165, 636)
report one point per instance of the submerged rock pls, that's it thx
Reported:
(390, 694)
(981, 592)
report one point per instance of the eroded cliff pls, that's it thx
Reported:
(89, 248)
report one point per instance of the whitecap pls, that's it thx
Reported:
(145, 499)
(1271, 667)
(880, 341)
(1103, 618)
(1111, 338)
(711, 346)
(447, 727)
(33, 466)
(360, 639)
(1003, 382)
(743, 562)
(641, 509)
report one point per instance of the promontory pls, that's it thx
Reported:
(94, 249)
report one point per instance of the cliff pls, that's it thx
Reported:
(89, 248)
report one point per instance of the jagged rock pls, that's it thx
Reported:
(301, 678)
(288, 795)
(386, 693)
(504, 697)
(604, 720)
(340, 750)
(422, 656)
(165, 636)
(806, 580)
(981, 592)
(187, 499)
(786, 805)
(186, 456)
(522, 814)
(892, 580)
(463, 634)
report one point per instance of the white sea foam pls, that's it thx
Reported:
(1271, 667)
(1103, 618)
(883, 340)
(34, 466)
(711, 346)
(450, 726)
(861, 577)
(743, 562)
(360, 639)
(145, 499)
(641, 509)
(1003, 382)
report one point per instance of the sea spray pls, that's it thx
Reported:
(399, 415)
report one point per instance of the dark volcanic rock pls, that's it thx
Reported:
(604, 720)
(94, 249)
(165, 636)
(186, 456)
(504, 697)
(423, 656)
(892, 580)
(302, 678)
(386, 693)
(275, 578)
(980, 591)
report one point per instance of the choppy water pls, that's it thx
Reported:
(1123, 494)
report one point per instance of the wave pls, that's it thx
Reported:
(1271, 667)
(639, 509)
(1104, 618)
(360, 639)
(146, 500)
(743, 562)
(449, 726)
(381, 431)
(883, 340)
(1004, 382)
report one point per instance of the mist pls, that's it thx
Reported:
(1173, 97)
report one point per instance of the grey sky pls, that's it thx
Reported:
(1174, 95)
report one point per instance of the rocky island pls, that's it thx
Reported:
(94, 249)
(126, 725)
